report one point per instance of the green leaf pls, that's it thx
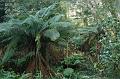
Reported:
(40, 12)
(10, 51)
(56, 18)
(52, 34)
(77, 62)
(61, 26)
(29, 20)
(68, 71)
(50, 10)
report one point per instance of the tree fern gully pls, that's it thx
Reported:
(25, 40)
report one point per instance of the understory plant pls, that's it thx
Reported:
(110, 55)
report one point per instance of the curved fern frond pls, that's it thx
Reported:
(11, 47)
(52, 34)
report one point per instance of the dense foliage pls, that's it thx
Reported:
(60, 39)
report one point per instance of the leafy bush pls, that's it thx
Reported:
(111, 46)
(73, 60)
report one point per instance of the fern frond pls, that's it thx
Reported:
(52, 34)
(10, 51)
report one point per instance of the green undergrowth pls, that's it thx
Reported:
(72, 67)
(68, 73)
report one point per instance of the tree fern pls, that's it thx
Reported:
(47, 22)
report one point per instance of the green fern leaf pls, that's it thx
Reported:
(52, 34)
